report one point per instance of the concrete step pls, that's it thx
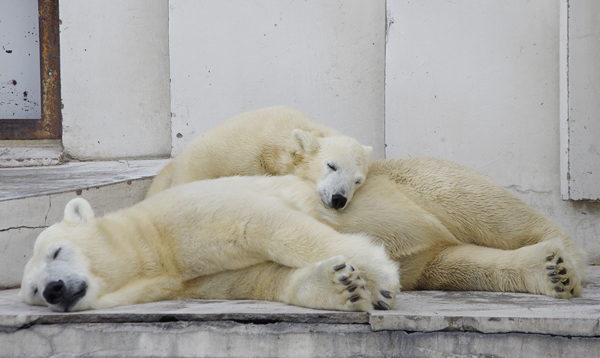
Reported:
(34, 198)
(423, 324)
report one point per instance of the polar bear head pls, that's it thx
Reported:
(58, 275)
(337, 164)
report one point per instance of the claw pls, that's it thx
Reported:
(552, 273)
(380, 305)
(385, 294)
(355, 298)
(347, 282)
(343, 278)
(550, 257)
(554, 280)
(352, 288)
(551, 267)
(339, 267)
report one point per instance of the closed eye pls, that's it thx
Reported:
(56, 253)
(35, 291)
(332, 167)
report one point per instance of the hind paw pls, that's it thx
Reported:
(560, 277)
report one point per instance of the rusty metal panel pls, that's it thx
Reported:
(49, 125)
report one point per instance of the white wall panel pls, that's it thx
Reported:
(115, 78)
(325, 58)
(580, 99)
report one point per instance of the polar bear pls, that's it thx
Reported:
(450, 228)
(273, 141)
(172, 245)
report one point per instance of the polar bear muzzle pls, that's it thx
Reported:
(62, 296)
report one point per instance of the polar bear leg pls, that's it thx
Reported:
(335, 284)
(543, 268)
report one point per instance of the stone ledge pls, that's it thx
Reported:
(19, 183)
(416, 311)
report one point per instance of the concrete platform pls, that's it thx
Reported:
(424, 324)
(19, 183)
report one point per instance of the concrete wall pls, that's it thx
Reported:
(478, 83)
(473, 82)
(580, 91)
(115, 78)
(326, 58)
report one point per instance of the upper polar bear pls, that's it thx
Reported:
(273, 141)
(172, 245)
(450, 228)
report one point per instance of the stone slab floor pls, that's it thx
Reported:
(423, 324)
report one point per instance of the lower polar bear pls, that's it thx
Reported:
(449, 228)
(166, 246)
(273, 141)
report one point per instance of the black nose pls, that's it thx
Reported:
(55, 292)
(338, 201)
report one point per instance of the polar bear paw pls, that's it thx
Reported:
(560, 276)
(338, 284)
(346, 283)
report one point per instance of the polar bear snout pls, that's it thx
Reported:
(63, 297)
(338, 201)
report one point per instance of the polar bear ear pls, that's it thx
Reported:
(78, 210)
(368, 150)
(305, 140)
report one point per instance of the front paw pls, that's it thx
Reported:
(347, 284)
